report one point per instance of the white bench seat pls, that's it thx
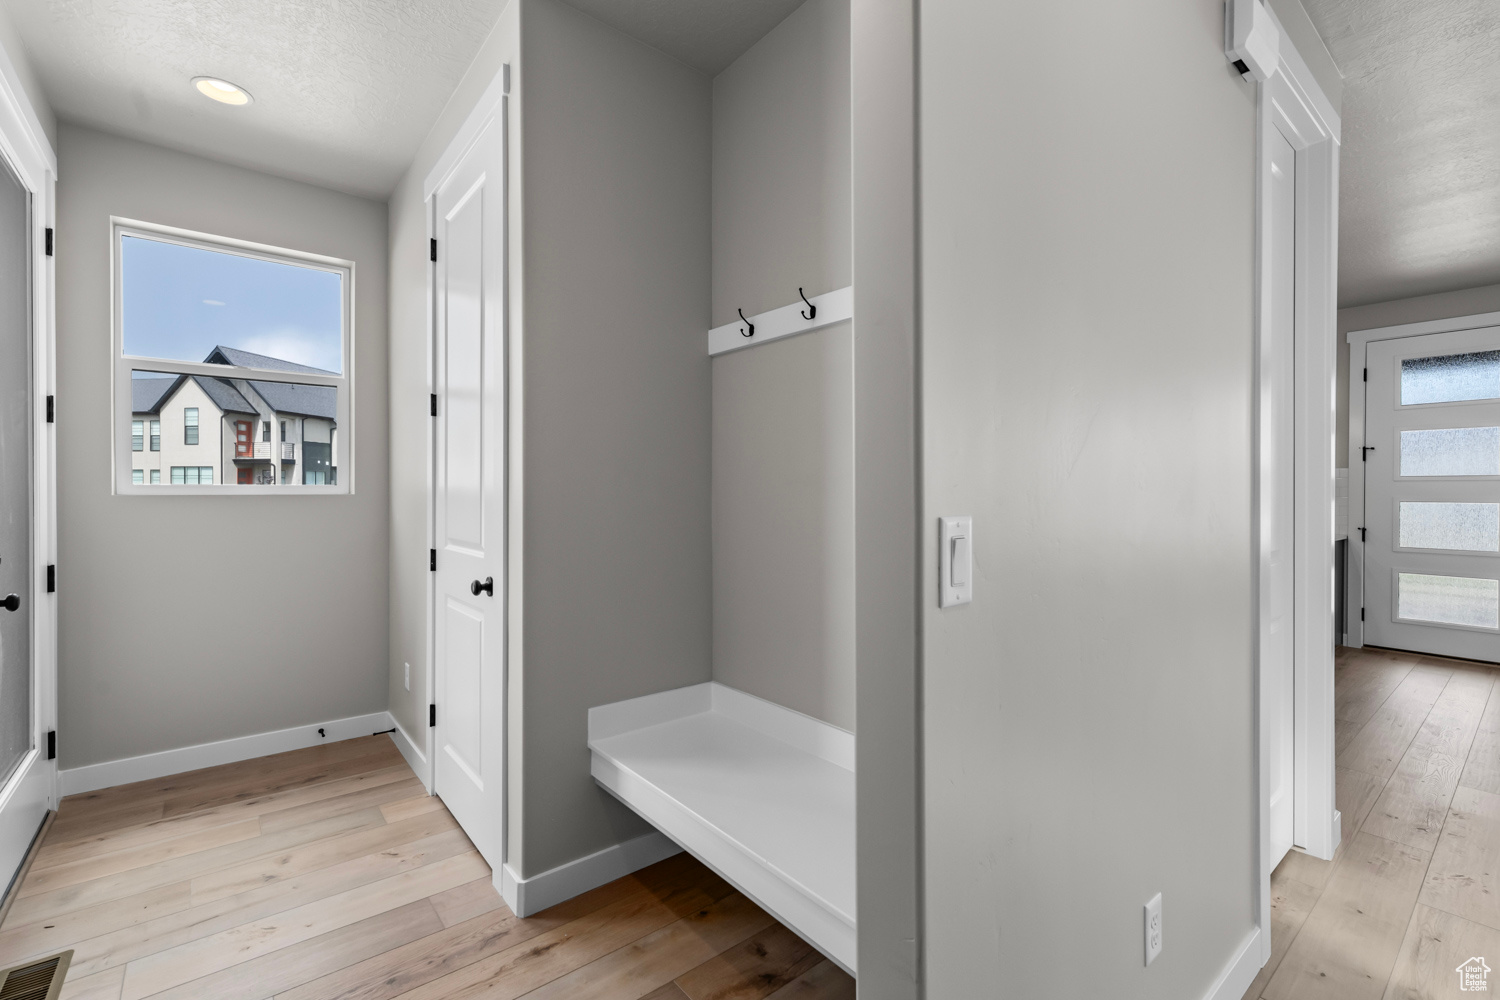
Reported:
(761, 794)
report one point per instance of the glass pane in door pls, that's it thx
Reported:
(1448, 600)
(15, 476)
(1469, 527)
(1450, 378)
(1451, 451)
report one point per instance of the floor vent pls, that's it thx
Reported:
(35, 980)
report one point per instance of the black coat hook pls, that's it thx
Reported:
(746, 333)
(811, 310)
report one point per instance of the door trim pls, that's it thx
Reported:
(33, 786)
(1359, 341)
(1292, 102)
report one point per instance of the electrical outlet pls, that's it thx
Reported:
(408, 675)
(1153, 928)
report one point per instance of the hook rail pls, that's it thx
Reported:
(802, 316)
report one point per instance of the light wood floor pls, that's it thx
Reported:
(327, 873)
(1414, 890)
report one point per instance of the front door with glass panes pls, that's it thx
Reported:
(1432, 494)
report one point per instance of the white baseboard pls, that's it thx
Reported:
(533, 895)
(1241, 971)
(416, 759)
(158, 765)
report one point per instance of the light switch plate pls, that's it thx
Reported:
(955, 561)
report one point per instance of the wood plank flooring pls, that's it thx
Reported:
(328, 874)
(1414, 888)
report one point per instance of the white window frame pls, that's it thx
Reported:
(124, 364)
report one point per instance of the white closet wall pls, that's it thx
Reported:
(783, 420)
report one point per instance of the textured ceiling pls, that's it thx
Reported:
(1419, 200)
(344, 89)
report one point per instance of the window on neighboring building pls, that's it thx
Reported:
(216, 336)
(192, 475)
(155, 477)
(138, 476)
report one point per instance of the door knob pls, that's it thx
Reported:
(488, 587)
(11, 603)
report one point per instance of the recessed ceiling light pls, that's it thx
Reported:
(221, 90)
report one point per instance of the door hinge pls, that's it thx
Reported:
(432, 249)
(1366, 376)
(1361, 535)
(51, 409)
(1364, 453)
(52, 744)
(1361, 614)
(434, 404)
(431, 716)
(49, 241)
(432, 560)
(51, 579)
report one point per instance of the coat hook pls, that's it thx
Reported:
(811, 310)
(746, 333)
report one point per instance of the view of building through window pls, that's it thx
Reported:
(266, 322)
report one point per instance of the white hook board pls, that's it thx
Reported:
(786, 321)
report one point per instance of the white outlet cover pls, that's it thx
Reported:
(1153, 928)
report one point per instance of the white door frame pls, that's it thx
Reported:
(32, 790)
(1292, 102)
(1359, 340)
(493, 104)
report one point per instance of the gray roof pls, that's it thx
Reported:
(225, 396)
(245, 359)
(147, 394)
(293, 397)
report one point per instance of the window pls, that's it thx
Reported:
(155, 477)
(215, 337)
(138, 476)
(192, 475)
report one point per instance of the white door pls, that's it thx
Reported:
(1432, 494)
(1277, 496)
(469, 617)
(26, 772)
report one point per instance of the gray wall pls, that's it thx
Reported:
(882, 67)
(150, 586)
(616, 567)
(1468, 302)
(783, 420)
(1088, 268)
(20, 60)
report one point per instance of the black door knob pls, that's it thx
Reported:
(488, 587)
(11, 603)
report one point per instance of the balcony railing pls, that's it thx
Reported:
(289, 451)
(263, 450)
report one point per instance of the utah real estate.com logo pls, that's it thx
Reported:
(1474, 975)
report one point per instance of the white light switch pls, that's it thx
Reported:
(956, 561)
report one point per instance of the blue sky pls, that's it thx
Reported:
(180, 302)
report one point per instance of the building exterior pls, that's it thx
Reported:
(197, 430)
